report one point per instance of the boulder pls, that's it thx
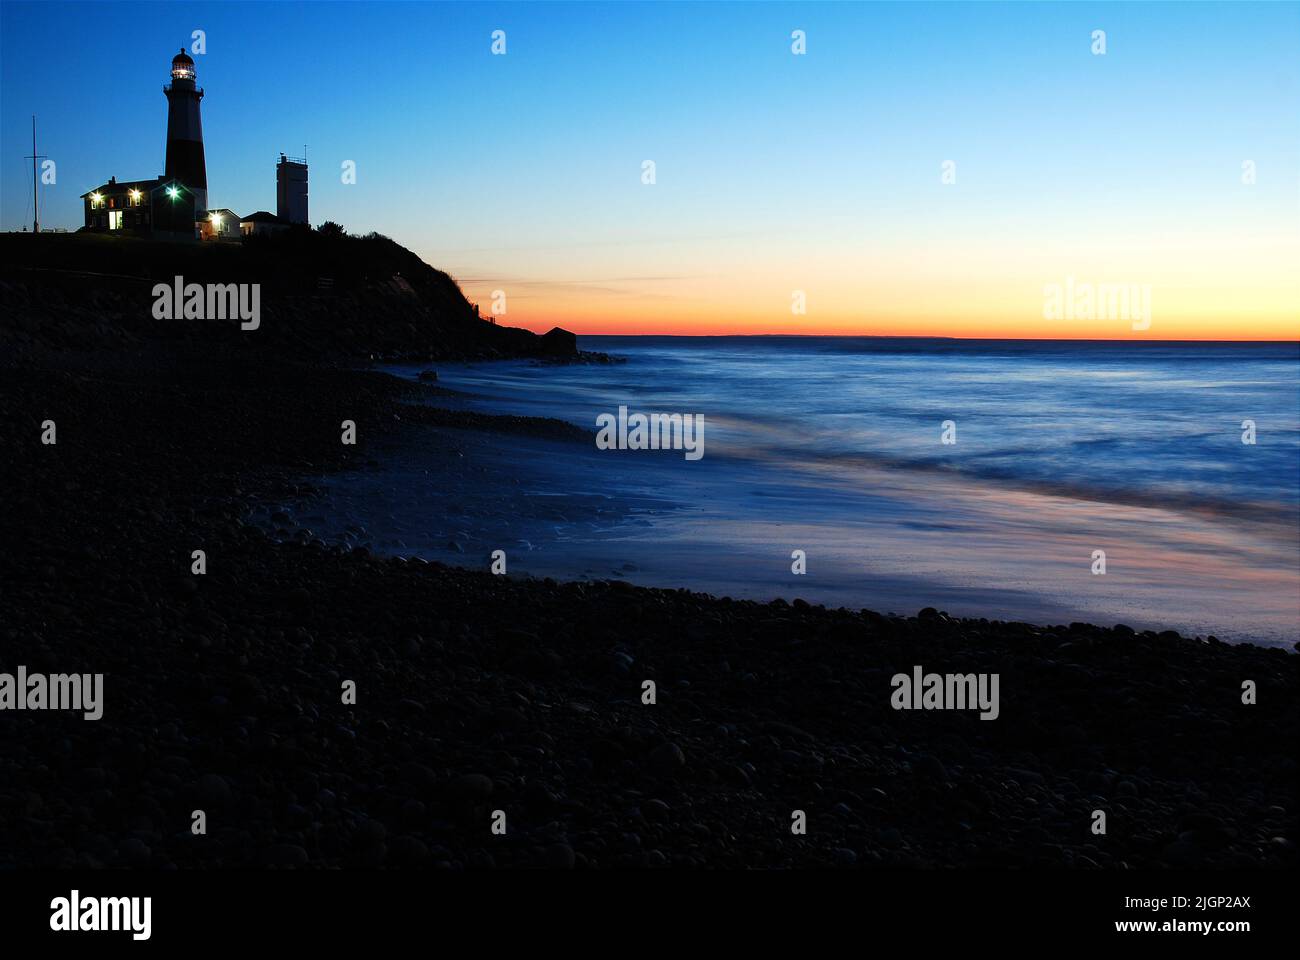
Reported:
(559, 343)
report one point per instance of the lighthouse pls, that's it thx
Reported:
(185, 132)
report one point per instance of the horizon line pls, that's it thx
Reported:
(886, 336)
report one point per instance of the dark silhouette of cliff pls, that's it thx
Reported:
(322, 295)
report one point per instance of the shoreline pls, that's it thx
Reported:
(477, 692)
(875, 537)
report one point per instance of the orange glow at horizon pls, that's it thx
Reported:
(1011, 318)
(1208, 329)
(1225, 284)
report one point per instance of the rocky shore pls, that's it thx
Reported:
(477, 693)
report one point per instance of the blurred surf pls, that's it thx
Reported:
(832, 446)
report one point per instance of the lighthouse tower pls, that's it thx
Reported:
(185, 132)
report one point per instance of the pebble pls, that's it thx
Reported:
(667, 759)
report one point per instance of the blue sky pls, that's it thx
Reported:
(523, 170)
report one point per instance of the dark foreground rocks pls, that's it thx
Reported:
(476, 694)
(557, 342)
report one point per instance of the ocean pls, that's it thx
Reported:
(1097, 481)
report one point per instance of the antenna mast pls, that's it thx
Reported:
(36, 183)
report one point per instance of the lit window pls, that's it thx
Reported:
(115, 220)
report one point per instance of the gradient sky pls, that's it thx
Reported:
(775, 172)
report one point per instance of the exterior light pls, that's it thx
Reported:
(216, 220)
(135, 194)
(173, 192)
(96, 197)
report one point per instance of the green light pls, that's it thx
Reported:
(173, 192)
